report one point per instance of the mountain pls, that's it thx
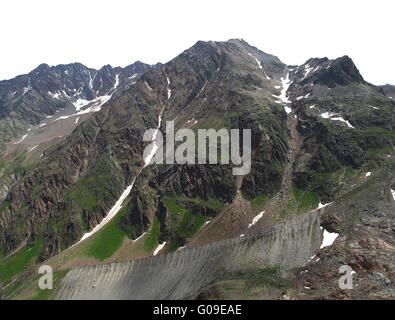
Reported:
(46, 94)
(44, 106)
(317, 130)
(389, 91)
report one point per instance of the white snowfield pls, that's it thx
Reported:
(54, 95)
(331, 116)
(287, 109)
(95, 107)
(286, 83)
(159, 248)
(256, 219)
(393, 193)
(283, 95)
(329, 238)
(94, 104)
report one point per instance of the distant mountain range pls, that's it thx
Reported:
(46, 92)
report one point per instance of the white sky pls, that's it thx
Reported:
(119, 32)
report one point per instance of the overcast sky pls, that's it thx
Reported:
(120, 32)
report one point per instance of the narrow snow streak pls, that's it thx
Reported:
(138, 238)
(320, 205)
(256, 219)
(118, 205)
(331, 116)
(31, 149)
(23, 138)
(159, 248)
(168, 90)
(114, 210)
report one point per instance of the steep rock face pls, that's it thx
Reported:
(389, 91)
(364, 220)
(28, 99)
(331, 73)
(345, 122)
(182, 274)
(213, 85)
(78, 181)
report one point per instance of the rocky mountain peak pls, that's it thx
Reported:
(339, 72)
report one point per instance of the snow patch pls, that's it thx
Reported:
(25, 90)
(55, 95)
(343, 120)
(256, 219)
(168, 90)
(307, 70)
(159, 248)
(320, 205)
(328, 238)
(31, 149)
(94, 107)
(331, 116)
(23, 138)
(256, 60)
(138, 238)
(114, 210)
(285, 83)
